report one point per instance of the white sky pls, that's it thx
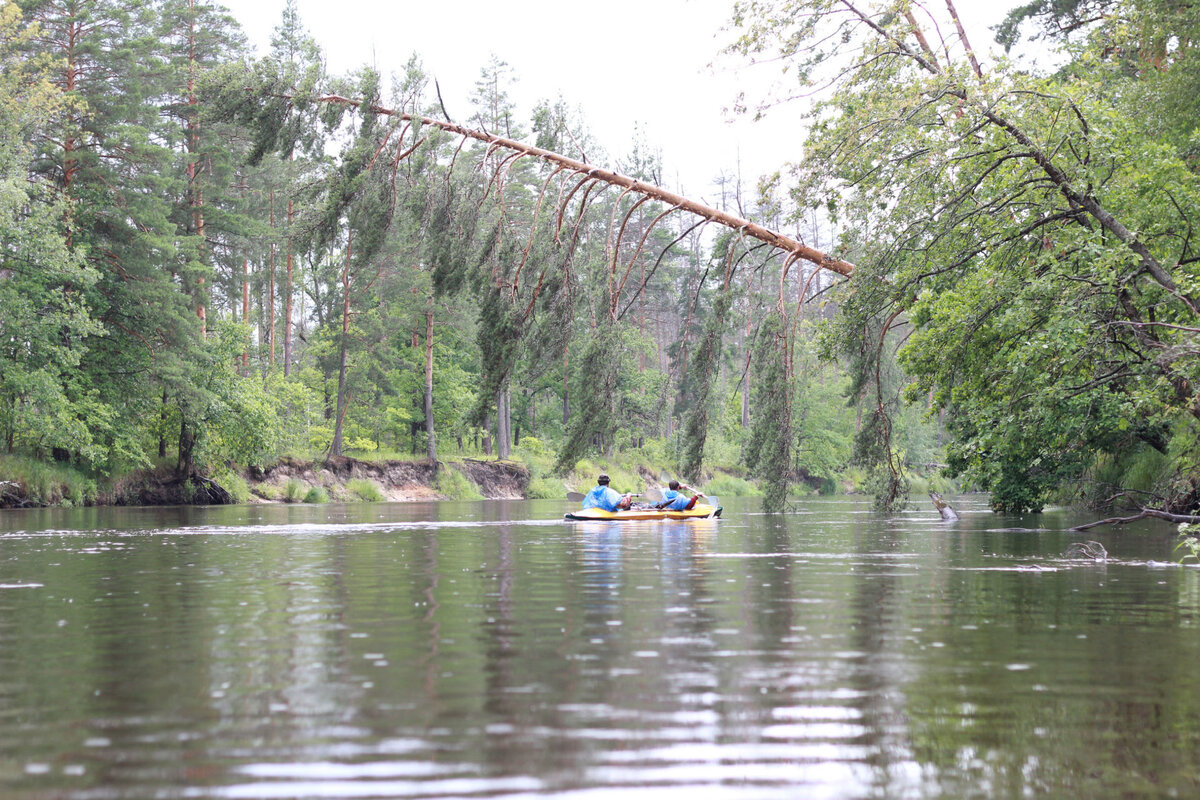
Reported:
(622, 62)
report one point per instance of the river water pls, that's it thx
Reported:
(492, 650)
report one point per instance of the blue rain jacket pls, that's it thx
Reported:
(680, 503)
(602, 497)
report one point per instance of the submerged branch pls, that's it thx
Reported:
(1145, 512)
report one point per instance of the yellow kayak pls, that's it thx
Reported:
(698, 511)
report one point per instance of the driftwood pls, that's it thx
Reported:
(1090, 551)
(943, 507)
(13, 496)
(1143, 514)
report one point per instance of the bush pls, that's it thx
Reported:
(924, 484)
(545, 489)
(267, 491)
(732, 486)
(316, 495)
(360, 444)
(48, 483)
(532, 446)
(294, 491)
(365, 490)
(235, 484)
(453, 484)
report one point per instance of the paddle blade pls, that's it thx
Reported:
(653, 494)
(575, 497)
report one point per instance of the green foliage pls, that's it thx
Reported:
(768, 449)
(592, 421)
(922, 485)
(543, 488)
(1189, 543)
(47, 483)
(294, 491)
(365, 490)
(235, 484)
(316, 494)
(724, 485)
(702, 370)
(1024, 229)
(454, 485)
(267, 491)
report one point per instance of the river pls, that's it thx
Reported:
(492, 650)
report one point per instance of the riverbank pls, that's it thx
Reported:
(29, 483)
(344, 478)
(25, 483)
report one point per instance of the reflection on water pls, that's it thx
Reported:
(490, 649)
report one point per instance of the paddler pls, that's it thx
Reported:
(603, 497)
(676, 500)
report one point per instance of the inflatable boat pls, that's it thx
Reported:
(698, 511)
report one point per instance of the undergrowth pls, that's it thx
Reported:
(45, 483)
(453, 484)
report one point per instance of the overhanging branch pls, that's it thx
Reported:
(745, 227)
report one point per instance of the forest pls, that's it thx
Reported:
(212, 259)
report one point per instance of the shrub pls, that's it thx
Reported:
(267, 491)
(294, 491)
(366, 490)
(732, 486)
(456, 486)
(47, 483)
(532, 446)
(316, 495)
(545, 489)
(235, 484)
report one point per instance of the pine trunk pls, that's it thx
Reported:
(246, 314)
(195, 196)
(287, 302)
(430, 442)
(271, 289)
(335, 448)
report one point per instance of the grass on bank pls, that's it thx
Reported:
(48, 483)
(367, 491)
(453, 484)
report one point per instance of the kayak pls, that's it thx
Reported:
(698, 511)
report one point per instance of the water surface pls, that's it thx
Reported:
(492, 650)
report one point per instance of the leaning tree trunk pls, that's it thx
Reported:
(592, 173)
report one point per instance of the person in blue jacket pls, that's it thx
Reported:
(603, 497)
(675, 500)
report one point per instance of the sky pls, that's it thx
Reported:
(655, 64)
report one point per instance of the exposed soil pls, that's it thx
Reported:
(497, 480)
(397, 480)
(166, 488)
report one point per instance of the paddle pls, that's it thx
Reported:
(576, 497)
